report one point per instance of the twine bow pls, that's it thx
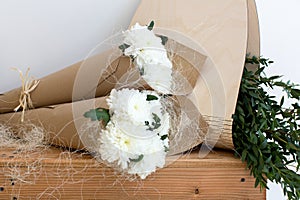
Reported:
(28, 85)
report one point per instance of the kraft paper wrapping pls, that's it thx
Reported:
(110, 69)
(96, 76)
(218, 29)
(253, 43)
(57, 88)
(221, 30)
(65, 129)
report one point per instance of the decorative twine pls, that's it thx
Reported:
(28, 85)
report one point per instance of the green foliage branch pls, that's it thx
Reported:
(266, 135)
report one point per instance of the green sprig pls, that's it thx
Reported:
(123, 47)
(151, 97)
(150, 26)
(154, 125)
(99, 114)
(137, 159)
(265, 134)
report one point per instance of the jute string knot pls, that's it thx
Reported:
(28, 85)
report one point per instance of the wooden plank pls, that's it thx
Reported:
(55, 175)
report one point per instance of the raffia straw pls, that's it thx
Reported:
(28, 85)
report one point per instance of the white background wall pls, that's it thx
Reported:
(280, 41)
(52, 34)
(49, 35)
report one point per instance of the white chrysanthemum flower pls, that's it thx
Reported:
(116, 101)
(115, 146)
(152, 56)
(139, 109)
(130, 104)
(140, 38)
(154, 154)
(132, 129)
(148, 164)
(130, 143)
(159, 77)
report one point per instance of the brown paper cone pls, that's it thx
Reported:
(64, 123)
(57, 88)
(253, 44)
(98, 75)
(64, 128)
(219, 29)
(57, 121)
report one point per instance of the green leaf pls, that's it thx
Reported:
(256, 182)
(142, 71)
(260, 69)
(265, 133)
(295, 93)
(137, 159)
(164, 39)
(281, 101)
(156, 124)
(166, 149)
(280, 84)
(151, 97)
(244, 154)
(253, 138)
(123, 47)
(163, 137)
(151, 25)
(264, 144)
(98, 114)
(292, 146)
(268, 159)
(274, 77)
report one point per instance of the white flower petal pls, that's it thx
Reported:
(127, 137)
(140, 38)
(159, 77)
(154, 154)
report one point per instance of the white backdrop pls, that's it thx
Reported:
(280, 41)
(49, 35)
(52, 34)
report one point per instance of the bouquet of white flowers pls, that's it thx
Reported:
(135, 139)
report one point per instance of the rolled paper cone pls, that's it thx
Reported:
(191, 127)
(97, 75)
(218, 29)
(56, 120)
(253, 43)
(220, 74)
(57, 88)
(63, 129)
(187, 64)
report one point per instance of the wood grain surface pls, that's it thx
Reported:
(58, 174)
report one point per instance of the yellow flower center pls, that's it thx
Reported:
(127, 142)
(136, 107)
